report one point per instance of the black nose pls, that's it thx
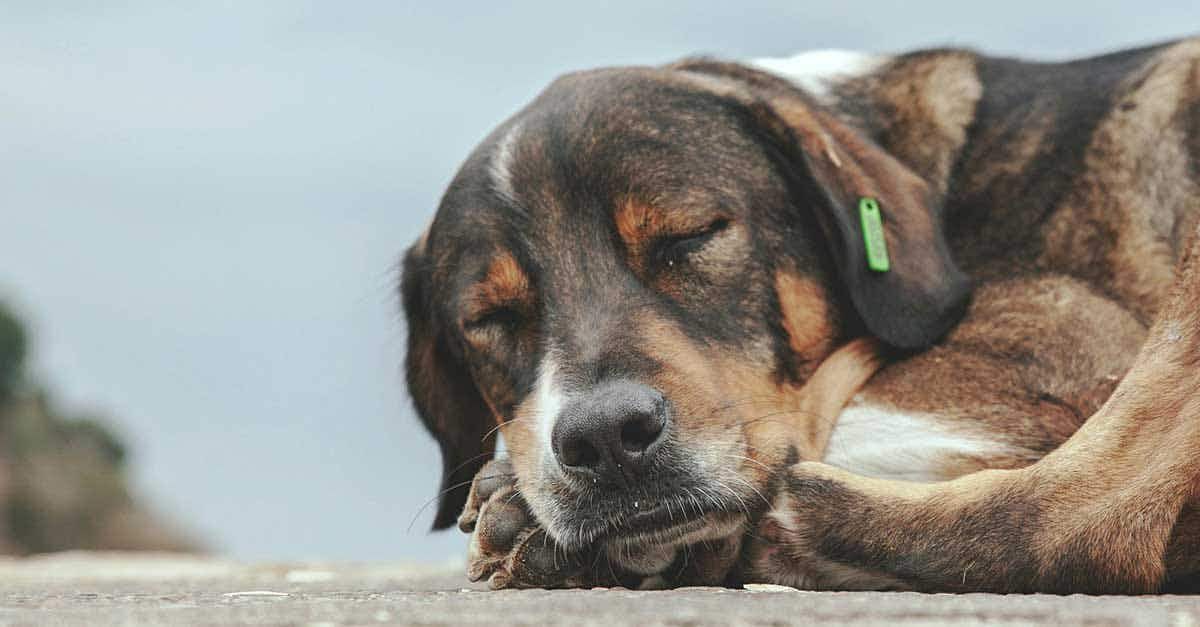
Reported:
(612, 431)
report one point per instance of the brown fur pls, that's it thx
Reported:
(1065, 191)
(807, 317)
(1096, 514)
(1113, 508)
(927, 104)
(504, 284)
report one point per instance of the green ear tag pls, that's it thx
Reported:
(872, 229)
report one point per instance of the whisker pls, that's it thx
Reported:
(473, 458)
(825, 420)
(498, 427)
(447, 491)
(699, 508)
(763, 398)
(715, 499)
(742, 401)
(515, 494)
(749, 459)
(754, 489)
(553, 549)
(731, 444)
(744, 508)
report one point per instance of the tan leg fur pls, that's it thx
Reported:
(1110, 511)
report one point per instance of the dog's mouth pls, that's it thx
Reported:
(659, 526)
(672, 519)
(677, 500)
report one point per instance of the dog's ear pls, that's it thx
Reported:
(443, 391)
(923, 293)
(833, 166)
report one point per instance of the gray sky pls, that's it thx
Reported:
(201, 207)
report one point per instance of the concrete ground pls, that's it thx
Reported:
(108, 589)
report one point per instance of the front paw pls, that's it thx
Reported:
(508, 547)
(789, 545)
(778, 551)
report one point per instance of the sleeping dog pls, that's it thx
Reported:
(830, 321)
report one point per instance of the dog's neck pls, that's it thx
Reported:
(824, 396)
(813, 408)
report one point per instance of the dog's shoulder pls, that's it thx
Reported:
(926, 106)
(1084, 167)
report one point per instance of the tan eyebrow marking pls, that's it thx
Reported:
(635, 221)
(504, 283)
(640, 223)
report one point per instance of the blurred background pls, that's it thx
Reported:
(202, 206)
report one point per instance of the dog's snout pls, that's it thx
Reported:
(613, 431)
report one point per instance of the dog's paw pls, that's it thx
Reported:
(808, 511)
(508, 547)
(779, 551)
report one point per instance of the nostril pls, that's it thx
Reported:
(639, 432)
(579, 454)
(613, 432)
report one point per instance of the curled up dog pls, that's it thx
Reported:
(659, 286)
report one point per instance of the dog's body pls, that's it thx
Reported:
(1067, 193)
(1066, 190)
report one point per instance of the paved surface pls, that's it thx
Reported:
(90, 589)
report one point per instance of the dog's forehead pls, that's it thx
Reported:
(637, 127)
(590, 143)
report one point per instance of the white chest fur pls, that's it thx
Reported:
(891, 444)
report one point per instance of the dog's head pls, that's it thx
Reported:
(634, 277)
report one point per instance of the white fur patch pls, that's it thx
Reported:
(549, 401)
(817, 71)
(888, 444)
(500, 166)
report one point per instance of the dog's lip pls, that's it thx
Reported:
(651, 523)
(657, 520)
(708, 525)
(648, 515)
(640, 518)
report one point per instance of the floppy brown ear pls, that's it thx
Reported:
(444, 392)
(924, 293)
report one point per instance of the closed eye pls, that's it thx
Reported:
(503, 317)
(673, 250)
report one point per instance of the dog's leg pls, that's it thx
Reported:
(1098, 514)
